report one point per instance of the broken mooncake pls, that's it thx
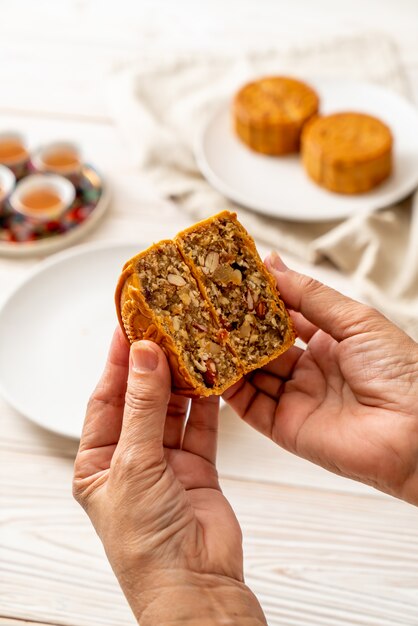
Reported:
(207, 299)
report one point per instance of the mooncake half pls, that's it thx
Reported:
(241, 291)
(207, 299)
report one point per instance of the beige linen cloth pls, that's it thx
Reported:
(159, 106)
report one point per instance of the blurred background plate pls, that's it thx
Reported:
(279, 186)
(55, 330)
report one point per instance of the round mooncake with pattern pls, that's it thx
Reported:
(347, 153)
(269, 114)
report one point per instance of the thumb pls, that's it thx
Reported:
(146, 400)
(326, 308)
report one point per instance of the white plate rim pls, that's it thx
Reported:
(234, 195)
(41, 267)
(58, 242)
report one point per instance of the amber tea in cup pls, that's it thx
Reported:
(62, 158)
(13, 152)
(43, 197)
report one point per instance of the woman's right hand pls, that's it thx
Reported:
(349, 402)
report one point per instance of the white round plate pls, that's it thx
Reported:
(55, 331)
(58, 242)
(278, 186)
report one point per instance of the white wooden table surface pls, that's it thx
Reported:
(319, 550)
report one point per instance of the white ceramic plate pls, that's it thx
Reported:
(278, 186)
(55, 331)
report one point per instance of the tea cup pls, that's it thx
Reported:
(42, 197)
(7, 184)
(14, 153)
(60, 157)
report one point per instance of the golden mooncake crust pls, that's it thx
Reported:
(139, 321)
(269, 113)
(347, 152)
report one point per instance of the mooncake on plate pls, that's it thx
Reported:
(269, 114)
(347, 153)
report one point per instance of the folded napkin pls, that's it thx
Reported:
(159, 105)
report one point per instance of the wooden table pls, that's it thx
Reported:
(319, 550)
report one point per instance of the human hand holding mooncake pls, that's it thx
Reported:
(348, 401)
(208, 300)
(145, 471)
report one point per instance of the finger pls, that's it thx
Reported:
(253, 406)
(337, 315)
(203, 476)
(201, 433)
(254, 397)
(103, 420)
(174, 424)
(146, 401)
(266, 383)
(269, 380)
(284, 365)
(304, 328)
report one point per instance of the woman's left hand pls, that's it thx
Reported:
(149, 484)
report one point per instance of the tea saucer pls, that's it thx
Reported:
(20, 237)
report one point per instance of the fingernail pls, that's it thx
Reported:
(144, 358)
(277, 263)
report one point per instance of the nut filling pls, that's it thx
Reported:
(207, 299)
(238, 289)
(173, 295)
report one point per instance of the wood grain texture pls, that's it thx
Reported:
(266, 462)
(313, 555)
(10, 621)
